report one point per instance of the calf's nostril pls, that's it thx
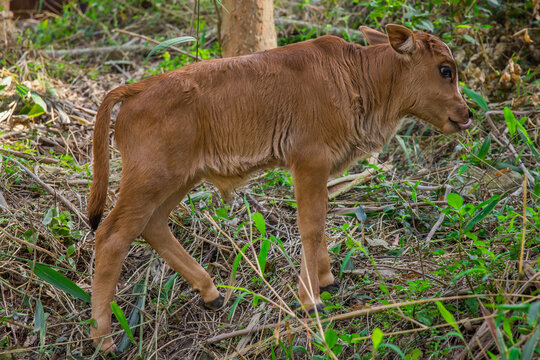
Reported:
(470, 114)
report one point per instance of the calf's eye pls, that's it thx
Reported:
(446, 71)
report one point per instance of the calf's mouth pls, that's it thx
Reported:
(460, 125)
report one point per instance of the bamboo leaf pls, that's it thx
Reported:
(485, 148)
(59, 281)
(482, 214)
(259, 222)
(170, 42)
(263, 253)
(447, 316)
(476, 97)
(119, 315)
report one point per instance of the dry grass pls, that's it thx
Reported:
(407, 263)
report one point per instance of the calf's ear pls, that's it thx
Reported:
(401, 39)
(374, 37)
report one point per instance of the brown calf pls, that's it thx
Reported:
(311, 107)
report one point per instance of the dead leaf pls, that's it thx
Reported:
(377, 242)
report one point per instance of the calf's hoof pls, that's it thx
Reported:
(107, 346)
(320, 309)
(215, 304)
(332, 288)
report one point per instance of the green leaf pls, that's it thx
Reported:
(468, 271)
(235, 304)
(360, 213)
(482, 214)
(40, 323)
(531, 344)
(346, 261)
(5, 82)
(39, 316)
(38, 101)
(49, 215)
(53, 277)
(395, 348)
(263, 253)
(485, 148)
(476, 97)
(470, 39)
(119, 315)
(405, 149)
(503, 350)
(237, 260)
(448, 317)
(533, 315)
(259, 222)
(171, 42)
(35, 110)
(514, 354)
(133, 320)
(377, 337)
(415, 354)
(22, 90)
(331, 338)
(454, 200)
(425, 24)
(510, 121)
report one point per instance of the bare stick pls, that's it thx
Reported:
(343, 211)
(358, 179)
(96, 50)
(60, 197)
(340, 317)
(441, 217)
(30, 156)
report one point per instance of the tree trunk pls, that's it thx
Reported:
(247, 27)
(6, 26)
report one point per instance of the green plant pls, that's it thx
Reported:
(60, 225)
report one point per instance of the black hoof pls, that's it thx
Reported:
(332, 288)
(117, 354)
(215, 304)
(320, 309)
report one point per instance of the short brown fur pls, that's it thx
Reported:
(311, 107)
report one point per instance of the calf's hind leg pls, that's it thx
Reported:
(112, 242)
(158, 234)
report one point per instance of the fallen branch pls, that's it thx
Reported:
(441, 217)
(344, 211)
(340, 317)
(333, 30)
(3, 203)
(95, 51)
(30, 156)
(355, 180)
(155, 42)
(53, 192)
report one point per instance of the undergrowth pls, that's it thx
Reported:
(437, 253)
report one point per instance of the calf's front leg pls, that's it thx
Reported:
(310, 180)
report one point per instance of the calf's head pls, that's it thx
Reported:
(428, 77)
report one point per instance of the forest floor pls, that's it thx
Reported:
(435, 243)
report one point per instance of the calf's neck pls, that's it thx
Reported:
(311, 107)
